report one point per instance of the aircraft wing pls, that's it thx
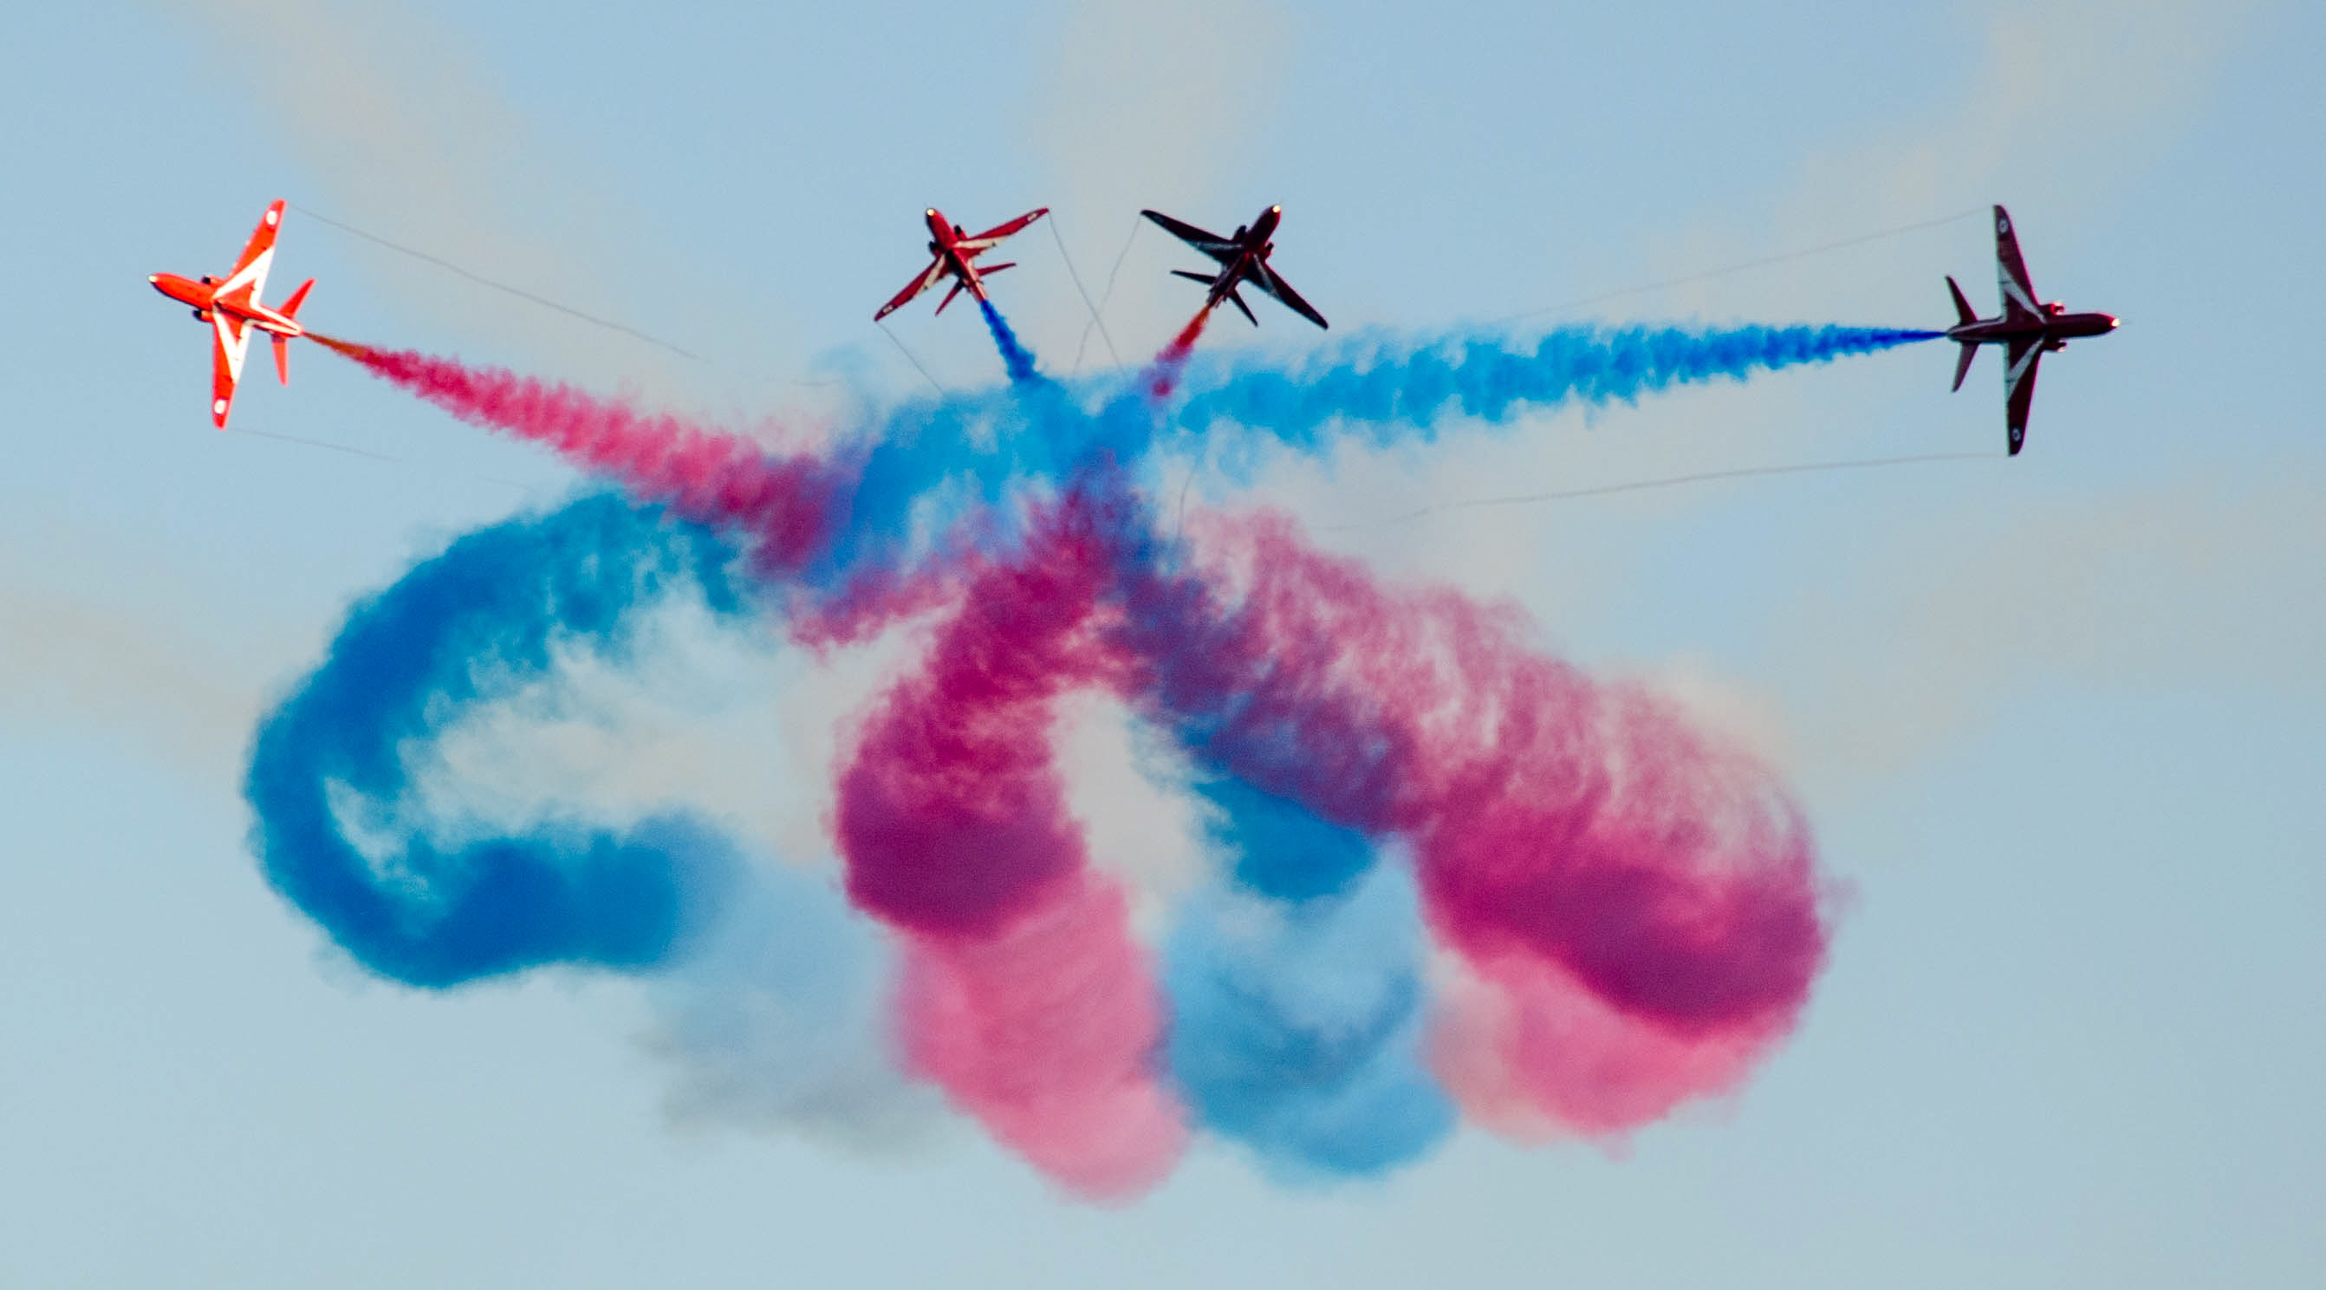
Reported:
(2019, 388)
(231, 345)
(992, 237)
(1211, 244)
(2011, 271)
(918, 285)
(250, 272)
(1265, 278)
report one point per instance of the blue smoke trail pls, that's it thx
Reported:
(1297, 1025)
(472, 624)
(1015, 358)
(778, 1016)
(1281, 849)
(1393, 389)
(930, 461)
(929, 464)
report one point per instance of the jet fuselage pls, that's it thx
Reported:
(2052, 329)
(944, 239)
(202, 296)
(1253, 247)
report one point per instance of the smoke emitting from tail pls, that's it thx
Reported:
(1388, 388)
(1631, 912)
(331, 771)
(1015, 358)
(703, 474)
(1163, 373)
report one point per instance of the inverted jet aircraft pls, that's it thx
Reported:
(232, 308)
(1242, 258)
(2026, 329)
(953, 254)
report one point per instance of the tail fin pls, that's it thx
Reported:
(289, 310)
(290, 307)
(1962, 307)
(1962, 365)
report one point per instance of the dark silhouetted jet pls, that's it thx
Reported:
(2026, 329)
(1242, 258)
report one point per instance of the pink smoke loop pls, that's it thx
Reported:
(1637, 909)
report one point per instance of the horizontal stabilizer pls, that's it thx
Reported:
(282, 357)
(1205, 278)
(988, 270)
(958, 283)
(1247, 309)
(1962, 365)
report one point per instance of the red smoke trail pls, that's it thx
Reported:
(1048, 1033)
(1528, 1049)
(1025, 996)
(786, 503)
(1163, 373)
(1638, 907)
(952, 814)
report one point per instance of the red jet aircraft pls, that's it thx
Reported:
(955, 255)
(2026, 329)
(232, 308)
(1243, 258)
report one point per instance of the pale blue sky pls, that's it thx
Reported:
(2056, 720)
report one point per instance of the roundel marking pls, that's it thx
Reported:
(2002, 223)
(218, 405)
(271, 218)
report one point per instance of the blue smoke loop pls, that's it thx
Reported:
(474, 623)
(1298, 1003)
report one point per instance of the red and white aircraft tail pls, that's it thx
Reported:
(1965, 316)
(289, 310)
